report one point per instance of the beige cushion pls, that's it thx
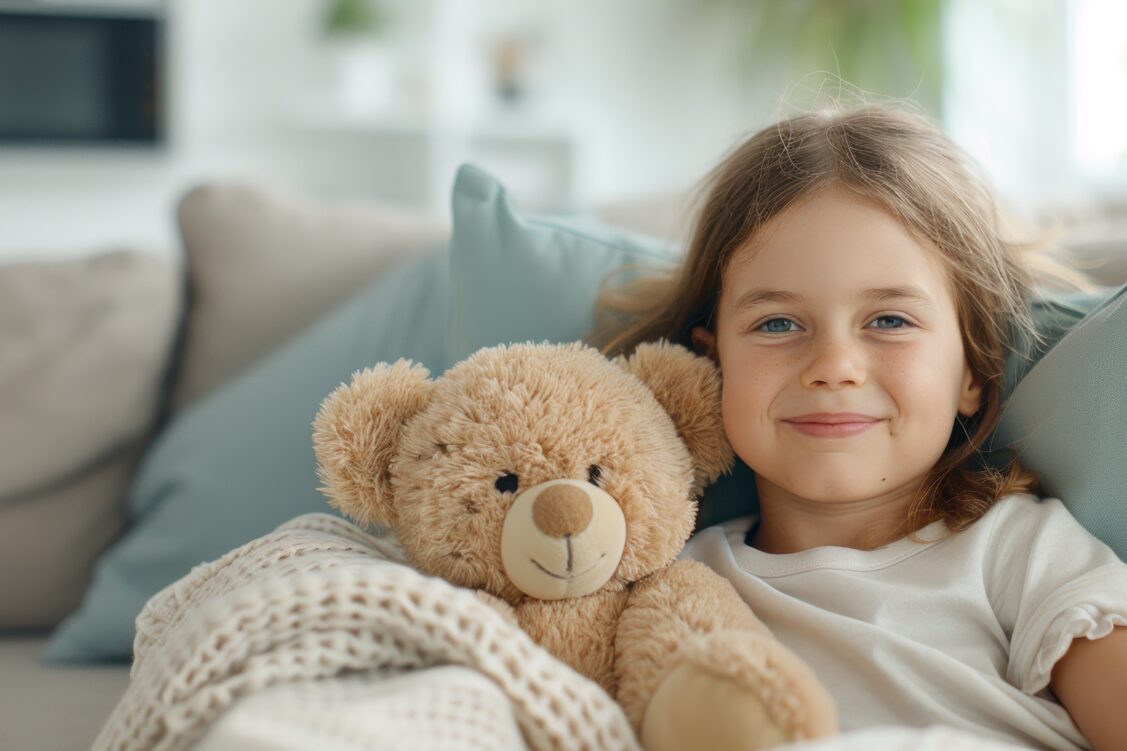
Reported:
(264, 262)
(86, 346)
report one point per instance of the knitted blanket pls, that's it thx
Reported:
(319, 605)
(320, 636)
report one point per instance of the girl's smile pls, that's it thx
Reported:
(831, 424)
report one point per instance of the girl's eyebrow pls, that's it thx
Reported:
(907, 292)
(759, 295)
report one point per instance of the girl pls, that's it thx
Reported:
(848, 274)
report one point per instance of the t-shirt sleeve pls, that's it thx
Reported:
(1050, 581)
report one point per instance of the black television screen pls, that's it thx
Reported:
(80, 79)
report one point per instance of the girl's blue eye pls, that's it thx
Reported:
(889, 322)
(776, 326)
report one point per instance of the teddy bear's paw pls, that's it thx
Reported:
(696, 708)
(737, 691)
(505, 609)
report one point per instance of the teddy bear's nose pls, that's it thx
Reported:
(562, 510)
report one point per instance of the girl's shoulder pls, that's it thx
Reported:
(1028, 508)
(1024, 511)
(1023, 521)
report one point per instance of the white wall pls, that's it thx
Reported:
(1008, 77)
(654, 98)
(645, 88)
(649, 104)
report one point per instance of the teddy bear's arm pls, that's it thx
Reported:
(697, 669)
(664, 612)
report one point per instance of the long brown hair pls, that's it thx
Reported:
(905, 164)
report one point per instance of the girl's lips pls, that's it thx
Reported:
(832, 426)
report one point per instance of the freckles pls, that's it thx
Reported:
(913, 374)
(899, 363)
(778, 369)
(770, 377)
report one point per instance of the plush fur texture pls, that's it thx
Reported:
(444, 462)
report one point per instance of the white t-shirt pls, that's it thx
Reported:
(960, 630)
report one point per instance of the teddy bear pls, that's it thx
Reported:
(561, 485)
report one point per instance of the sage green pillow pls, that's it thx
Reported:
(239, 462)
(1067, 416)
(517, 276)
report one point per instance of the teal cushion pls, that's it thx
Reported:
(1054, 316)
(524, 277)
(240, 462)
(518, 277)
(1066, 419)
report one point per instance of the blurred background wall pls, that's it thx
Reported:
(569, 103)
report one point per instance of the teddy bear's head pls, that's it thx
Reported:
(529, 470)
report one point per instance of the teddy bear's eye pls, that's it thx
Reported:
(594, 474)
(507, 483)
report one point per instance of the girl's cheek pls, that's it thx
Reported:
(768, 368)
(911, 363)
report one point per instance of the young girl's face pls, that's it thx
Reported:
(842, 359)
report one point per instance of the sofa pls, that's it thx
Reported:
(102, 352)
(126, 362)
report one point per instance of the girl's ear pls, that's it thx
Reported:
(704, 342)
(970, 396)
(688, 387)
(356, 434)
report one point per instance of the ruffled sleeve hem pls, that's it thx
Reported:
(1086, 620)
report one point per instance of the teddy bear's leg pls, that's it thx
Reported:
(696, 667)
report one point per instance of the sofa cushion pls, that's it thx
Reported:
(264, 262)
(86, 344)
(1066, 418)
(239, 462)
(545, 273)
(525, 277)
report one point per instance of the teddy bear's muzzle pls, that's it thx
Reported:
(562, 538)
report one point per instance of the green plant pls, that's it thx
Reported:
(887, 47)
(354, 17)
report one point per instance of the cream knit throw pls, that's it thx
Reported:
(318, 598)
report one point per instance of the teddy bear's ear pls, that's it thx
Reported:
(688, 386)
(356, 434)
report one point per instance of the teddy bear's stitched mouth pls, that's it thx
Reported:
(573, 576)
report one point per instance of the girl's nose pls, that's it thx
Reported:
(834, 362)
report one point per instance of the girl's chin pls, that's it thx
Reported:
(831, 491)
